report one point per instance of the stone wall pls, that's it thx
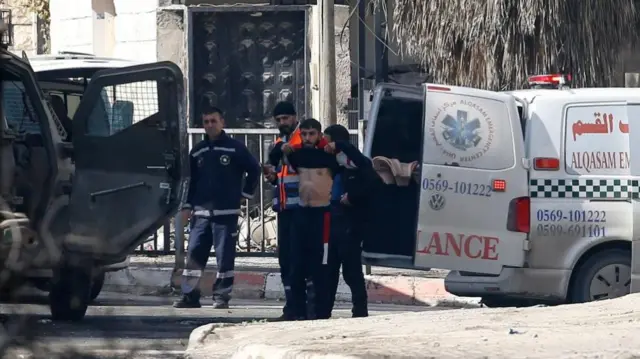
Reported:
(25, 28)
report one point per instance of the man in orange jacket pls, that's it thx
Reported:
(286, 197)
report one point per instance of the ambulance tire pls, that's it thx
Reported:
(70, 294)
(580, 291)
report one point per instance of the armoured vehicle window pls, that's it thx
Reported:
(18, 108)
(122, 106)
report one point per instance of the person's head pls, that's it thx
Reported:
(284, 113)
(212, 121)
(311, 132)
(336, 133)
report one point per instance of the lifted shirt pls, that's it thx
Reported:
(316, 170)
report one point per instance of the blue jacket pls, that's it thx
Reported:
(218, 180)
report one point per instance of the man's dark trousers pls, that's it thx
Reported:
(285, 233)
(218, 231)
(308, 283)
(345, 250)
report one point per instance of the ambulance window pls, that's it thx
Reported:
(468, 131)
(597, 140)
(398, 130)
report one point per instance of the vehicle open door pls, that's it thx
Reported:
(393, 131)
(474, 213)
(130, 163)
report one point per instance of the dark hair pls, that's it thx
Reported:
(311, 123)
(284, 108)
(210, 110)
(337, 133)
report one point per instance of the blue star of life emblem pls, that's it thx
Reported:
(461, 133)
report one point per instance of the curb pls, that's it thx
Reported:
(264, 285)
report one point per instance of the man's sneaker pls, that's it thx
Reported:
(220, 305)
(187, 302)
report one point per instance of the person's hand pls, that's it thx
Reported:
(186, 214)
(269, 173)
(287, 149)
(271, 177)
(330, 147)
(345, 199)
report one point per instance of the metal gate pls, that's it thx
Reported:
(244, 59)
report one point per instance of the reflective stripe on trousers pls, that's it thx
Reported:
(221, 232)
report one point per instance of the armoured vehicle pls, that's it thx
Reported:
(74, 205)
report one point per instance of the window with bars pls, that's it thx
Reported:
(122, 106)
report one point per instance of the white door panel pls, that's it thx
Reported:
(633, 128)
(472, 137)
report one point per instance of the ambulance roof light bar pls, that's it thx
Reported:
(553, 81)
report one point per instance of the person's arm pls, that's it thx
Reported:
(275, 155)
(252, 168)
(193, 177)
(294, 158)
(353, 154)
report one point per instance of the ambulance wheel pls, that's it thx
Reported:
(96, 286)
(604, 275)
(70, 294)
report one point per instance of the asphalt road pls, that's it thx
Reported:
(121, 326)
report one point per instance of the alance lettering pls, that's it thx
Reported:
(462, 245)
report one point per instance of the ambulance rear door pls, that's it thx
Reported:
(632, 127)
(474, 209)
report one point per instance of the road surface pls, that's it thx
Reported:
(121, 326)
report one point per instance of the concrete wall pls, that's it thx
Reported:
(113, 28)
(343, 61)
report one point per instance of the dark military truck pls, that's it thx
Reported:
(74, 207)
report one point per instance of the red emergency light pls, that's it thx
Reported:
(549, 81)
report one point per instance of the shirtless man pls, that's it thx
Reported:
(309, 250)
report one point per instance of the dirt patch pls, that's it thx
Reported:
(605, 329)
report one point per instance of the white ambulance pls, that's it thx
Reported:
(526, 195)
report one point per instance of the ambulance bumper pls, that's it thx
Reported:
(526, 283)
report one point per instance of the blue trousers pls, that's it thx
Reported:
(221, 232)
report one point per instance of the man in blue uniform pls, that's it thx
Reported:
(218, 184)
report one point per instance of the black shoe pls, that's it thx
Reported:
(187, 302)
(220, 305)
(284, 318)
(360, 313)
